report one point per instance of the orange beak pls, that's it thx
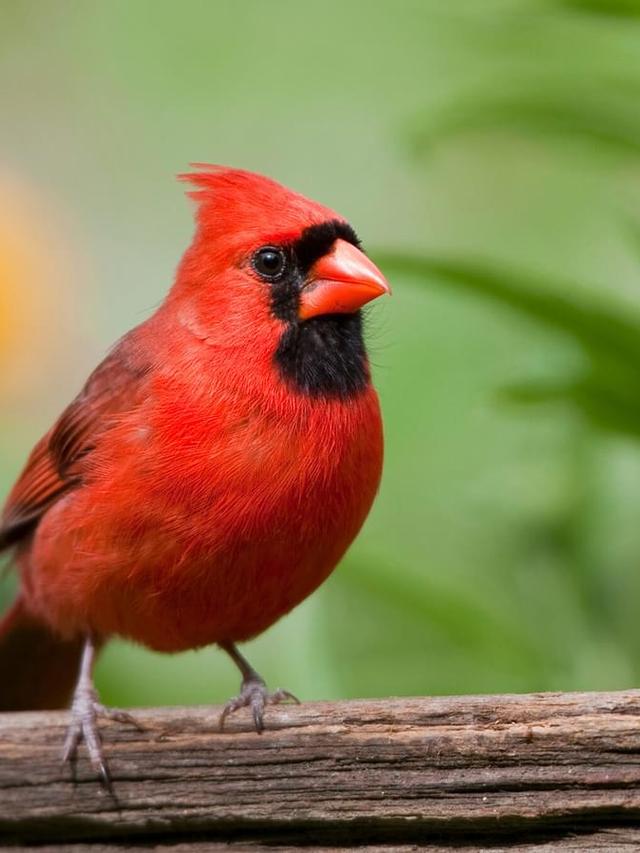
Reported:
(341, 282)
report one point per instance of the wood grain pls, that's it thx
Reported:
(534, 772)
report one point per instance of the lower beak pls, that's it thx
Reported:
(341, 282)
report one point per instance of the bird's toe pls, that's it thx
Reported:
(255, 696)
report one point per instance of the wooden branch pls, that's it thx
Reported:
(455, 772)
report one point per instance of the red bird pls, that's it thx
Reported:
(214, 468)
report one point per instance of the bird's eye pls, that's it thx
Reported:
(269, 262)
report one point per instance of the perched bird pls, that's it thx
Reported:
(214, 468)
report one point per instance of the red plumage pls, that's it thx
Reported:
(190, 494)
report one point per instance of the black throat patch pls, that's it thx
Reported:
(323, 356)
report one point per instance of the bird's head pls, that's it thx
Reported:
(284, 276)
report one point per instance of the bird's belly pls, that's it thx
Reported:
(184, 561)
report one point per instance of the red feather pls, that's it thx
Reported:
(189, 495)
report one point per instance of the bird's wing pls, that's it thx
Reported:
(52, 468)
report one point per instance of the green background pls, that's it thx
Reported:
(489, 155)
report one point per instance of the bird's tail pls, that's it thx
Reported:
(38, 670)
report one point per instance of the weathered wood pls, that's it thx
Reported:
(537, 772)
(608, 841)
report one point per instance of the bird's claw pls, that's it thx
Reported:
(254, 695)
(119, 716)
(85, 711)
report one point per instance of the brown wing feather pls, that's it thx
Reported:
(50, 470)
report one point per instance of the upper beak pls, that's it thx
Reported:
(341, 282)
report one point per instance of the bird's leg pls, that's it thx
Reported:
(85, 710)
(253, 691)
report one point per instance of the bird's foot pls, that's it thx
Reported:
(85, 711)
(254, 694)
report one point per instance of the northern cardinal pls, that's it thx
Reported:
(214, 468)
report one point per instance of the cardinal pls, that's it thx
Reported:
(214, 468)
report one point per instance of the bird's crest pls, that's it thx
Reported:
(247, 200)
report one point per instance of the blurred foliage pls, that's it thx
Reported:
(492, 148)
(600, 113)
(602, 386)
(613, 8)
(606, 389)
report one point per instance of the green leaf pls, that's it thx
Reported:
(610, 8)
(608, 390)
(592, 323)
(602, 113)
